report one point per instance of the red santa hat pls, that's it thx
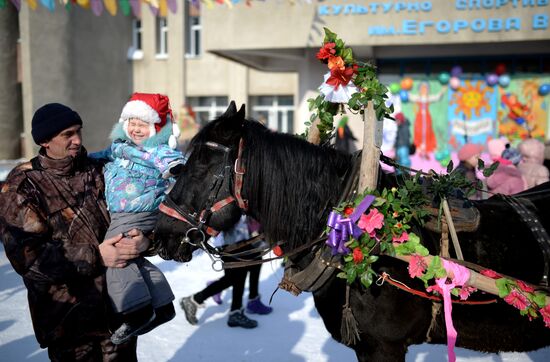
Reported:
(153, 109)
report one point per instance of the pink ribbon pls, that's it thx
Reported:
(460, 277)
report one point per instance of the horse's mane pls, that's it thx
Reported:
(290, 183)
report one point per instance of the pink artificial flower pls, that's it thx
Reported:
(517, 299)
(373, 220)
(417, 265)
(465, 292)
(525, 287)
(490, 273)
(404, 237)
(434, 288)
(545, 313)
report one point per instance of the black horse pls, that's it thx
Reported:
(290, 185)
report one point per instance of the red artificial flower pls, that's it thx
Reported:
(348, 210)
(336, 62)
(490, 273)
(517, 299)
(340, 77)
(277, 250)
(326, 51)
(545, 313)
(417, 265)
(404, 237)
(357, 255)
(525, 287)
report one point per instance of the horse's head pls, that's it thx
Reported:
(206, 198)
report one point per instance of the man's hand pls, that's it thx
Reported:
(116, 251)
(111, 254)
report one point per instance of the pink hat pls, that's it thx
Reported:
(469, 150)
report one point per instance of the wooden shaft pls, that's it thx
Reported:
(370, 157)
(476, 280)
(452, 230)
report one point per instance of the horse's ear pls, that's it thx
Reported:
(242, 112)
(231, 110)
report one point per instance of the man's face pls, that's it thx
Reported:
(67, 143)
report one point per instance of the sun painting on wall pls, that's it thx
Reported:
(471, 98)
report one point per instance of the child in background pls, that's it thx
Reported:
(143, 160)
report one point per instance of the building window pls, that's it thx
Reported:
(207, 108)
(276, 112)
(162, 37)
(136, 51)
(193, 30)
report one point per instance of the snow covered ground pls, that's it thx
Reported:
(294, 331)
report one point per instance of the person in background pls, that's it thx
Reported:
(143, 159)
(507, 179)
(532, 162)
(402, 141)
(53, 219)
(468, 155)
(235, 278)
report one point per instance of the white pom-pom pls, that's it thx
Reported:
(172, 142)
(175, 129)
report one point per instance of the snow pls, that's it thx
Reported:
(294, 331)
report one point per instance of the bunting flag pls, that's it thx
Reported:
(127, 7)
(110, 6)
(163, 8)
(173, 6)
(48, 4)
(124, 6)
(136, 7)
(16, 3)
(97, 7)
(32, 4)
(85, 4)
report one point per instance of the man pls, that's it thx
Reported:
(53, 218)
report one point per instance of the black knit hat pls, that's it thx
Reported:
(51, 119)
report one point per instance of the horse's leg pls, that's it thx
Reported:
(381, 352)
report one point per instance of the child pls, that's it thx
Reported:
(143, 155)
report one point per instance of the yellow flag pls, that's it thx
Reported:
(83, 3)
(110, 5)
(32, 4)
(163, 8)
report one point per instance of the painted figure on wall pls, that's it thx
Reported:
(517, 112)
(424, 136)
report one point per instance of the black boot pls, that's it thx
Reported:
(163, 314)
(134, 323)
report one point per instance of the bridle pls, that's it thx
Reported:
(199, 220)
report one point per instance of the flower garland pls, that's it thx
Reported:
(522, 296)
(379, 223)
(348, 82)
(375, 223)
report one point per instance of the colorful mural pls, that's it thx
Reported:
(446, 115)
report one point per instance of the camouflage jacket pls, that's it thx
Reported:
(52, 218)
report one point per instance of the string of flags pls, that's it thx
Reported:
(157, 7)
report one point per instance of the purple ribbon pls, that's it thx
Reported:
(342, 227)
